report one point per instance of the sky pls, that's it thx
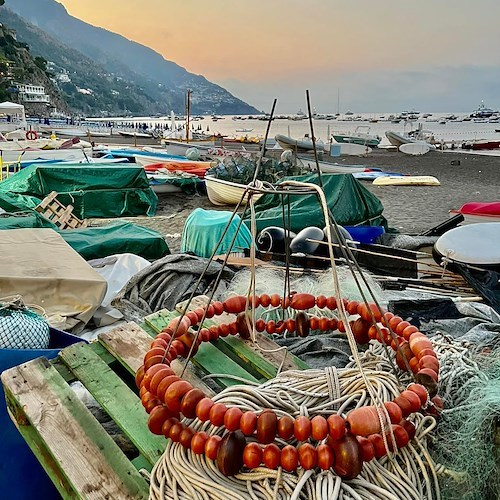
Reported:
(357, 55)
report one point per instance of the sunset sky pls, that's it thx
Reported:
(378, 55)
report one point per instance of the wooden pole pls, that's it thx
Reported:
(188, 111)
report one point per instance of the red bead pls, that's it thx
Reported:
(203, 409)
(271, 456)
(212, 447)
(307, 456)
(336, 426)
(252, 455)
(198, 443)
(217, 413)
(302, 428)
(326, 458)
(248, 423)
(319, 428)
(232, 419)
(267, 425)
(289, 458)
(285, 427)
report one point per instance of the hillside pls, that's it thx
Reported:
(165, 82)
(17, 64)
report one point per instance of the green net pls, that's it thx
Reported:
(468, 440)
(241, 170)
(21, 328)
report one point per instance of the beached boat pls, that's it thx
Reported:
(474, 212)
(195, 168)
(414, 136)
(300, 145)
(222, 192)
(361, 135)
(406, 180)
(483, 144)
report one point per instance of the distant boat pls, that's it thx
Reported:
(142, 135)
(244, 129)
(482, 111)
(300, 145)
(406, 180)
(361, 135)
(478, 145)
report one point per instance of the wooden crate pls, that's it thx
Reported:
(57, 213)
(80, 457)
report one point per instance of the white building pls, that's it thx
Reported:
(29, 93)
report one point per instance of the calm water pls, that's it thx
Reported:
(450, 131)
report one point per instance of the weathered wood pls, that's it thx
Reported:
(79, 456)
(129, 343)
(257, 357)
(60, 215)
(115, 397)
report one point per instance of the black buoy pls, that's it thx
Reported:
(301, 243)
(272, 239)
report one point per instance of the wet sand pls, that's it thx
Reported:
(464, 177)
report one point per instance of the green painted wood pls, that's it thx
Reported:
(115, 397)
(142, 463)
(79, 456)
(210, 360)
(148, 329)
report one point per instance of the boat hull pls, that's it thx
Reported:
(222, 192)
(343, 139)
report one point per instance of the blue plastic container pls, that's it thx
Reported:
(21, 475)
(365, 234)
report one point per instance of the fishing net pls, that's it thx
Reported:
(468, 436)
(21, 328)
(242, 170)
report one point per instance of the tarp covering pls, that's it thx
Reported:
(348, 200)
(41, 267)
(99, 242)
(94, 190)
(204, 228)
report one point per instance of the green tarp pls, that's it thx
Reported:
(101, 241)
(349, 201)
(94, 190)
(204, 228)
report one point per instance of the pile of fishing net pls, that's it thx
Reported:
(242, 170)
(452, 456)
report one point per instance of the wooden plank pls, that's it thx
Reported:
(245, 352)
(129, 343)
(212, 361)
(208, 359)
(79, 456)
(115, 397)
(255, 359)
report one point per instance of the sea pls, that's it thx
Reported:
(457, 131)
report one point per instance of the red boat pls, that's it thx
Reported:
(479, 212)
(475, 145)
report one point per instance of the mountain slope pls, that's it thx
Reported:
(161, 79)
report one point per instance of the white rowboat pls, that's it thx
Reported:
(222, 192)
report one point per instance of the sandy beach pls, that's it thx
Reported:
(409, 209)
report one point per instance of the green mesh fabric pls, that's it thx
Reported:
(23, 329)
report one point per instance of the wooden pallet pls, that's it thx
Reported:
(80, 457)
(57, 213)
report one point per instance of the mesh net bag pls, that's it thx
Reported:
(21, 328)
